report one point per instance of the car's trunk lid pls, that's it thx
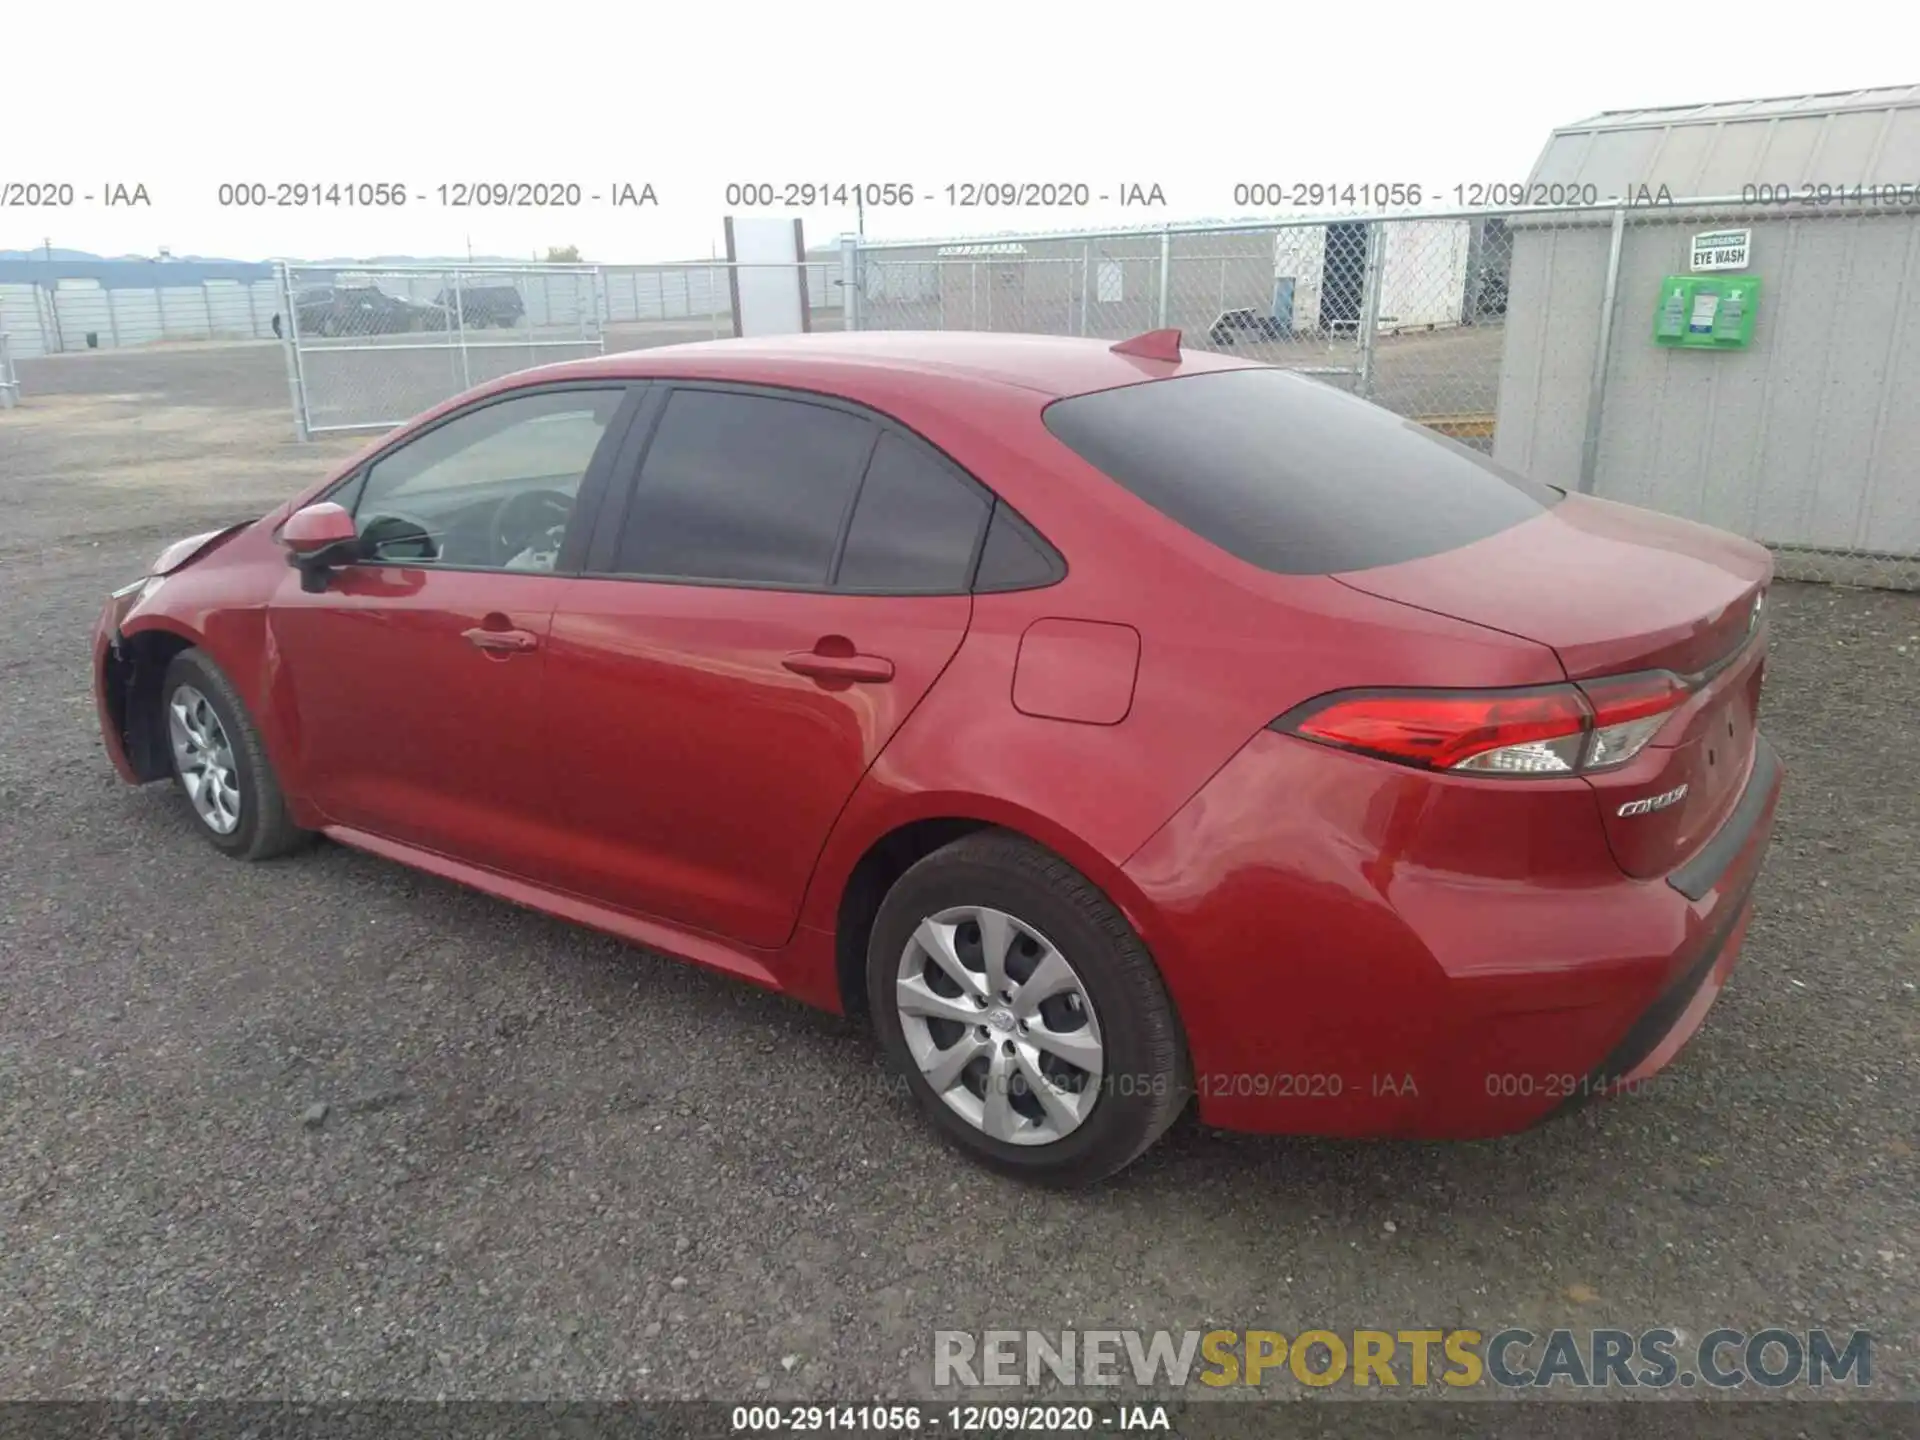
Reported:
(1611, 588)
(1614, 590)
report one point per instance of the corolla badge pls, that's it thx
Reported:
(1651, 803)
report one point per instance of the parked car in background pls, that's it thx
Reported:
(478, 306)
(1115, 726)
(1247, 325)
(349, 310)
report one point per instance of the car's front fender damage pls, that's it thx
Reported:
(131, 669)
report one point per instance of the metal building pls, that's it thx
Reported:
(50, 306)
(1804, 433)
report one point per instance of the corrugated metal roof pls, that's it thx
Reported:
(1848, 138)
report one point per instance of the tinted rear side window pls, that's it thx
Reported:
(1290, 474)
(915, 526)
(742, 487)
(1014, 558)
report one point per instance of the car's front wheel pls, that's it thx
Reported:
(220, 763)
(1029, 1020)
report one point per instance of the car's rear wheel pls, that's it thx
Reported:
(220, 764)
(1029, 1020)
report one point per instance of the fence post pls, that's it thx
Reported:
(1086, 282)
(850, 317)
(451, 280)
(1166, 273)
(1603, 345)
(53, 339)
(9, 387)
(1370, 303)
(290, 351)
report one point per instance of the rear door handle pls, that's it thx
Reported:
(500, 640)
(840, 667)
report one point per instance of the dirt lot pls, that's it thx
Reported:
(556, 1166)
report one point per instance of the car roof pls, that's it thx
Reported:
(845, 363)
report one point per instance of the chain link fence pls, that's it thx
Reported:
(1539, 337)
(368, 348)
(1295, 295)
(696, 298)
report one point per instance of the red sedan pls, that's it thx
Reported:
(1115, 726)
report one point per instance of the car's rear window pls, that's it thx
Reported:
(1291, 474)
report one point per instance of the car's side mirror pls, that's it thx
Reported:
(319, 539)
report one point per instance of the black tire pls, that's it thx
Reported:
(1146, 1080)
(264, 830)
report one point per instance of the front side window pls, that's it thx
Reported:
(491, 489)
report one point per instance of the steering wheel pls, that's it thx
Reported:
(524, 520)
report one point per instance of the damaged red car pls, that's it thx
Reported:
(1116, 727)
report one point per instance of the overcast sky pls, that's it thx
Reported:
(1193, 97)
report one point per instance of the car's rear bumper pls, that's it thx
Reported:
(1356, 949)
(1723, 872)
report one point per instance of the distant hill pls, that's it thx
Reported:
(56, 254)
(88, 257)
(410, 260)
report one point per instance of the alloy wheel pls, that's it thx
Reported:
(1000, 1025)
(203, 757)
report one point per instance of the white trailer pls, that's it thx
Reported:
(1319, 274)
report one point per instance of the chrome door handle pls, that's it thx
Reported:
(500, 641)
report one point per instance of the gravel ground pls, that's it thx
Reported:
(328, 1127)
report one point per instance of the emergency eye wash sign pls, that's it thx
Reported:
(1722, 250)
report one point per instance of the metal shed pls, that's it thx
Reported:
(1805, 436)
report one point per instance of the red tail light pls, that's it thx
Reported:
(1542, 730)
